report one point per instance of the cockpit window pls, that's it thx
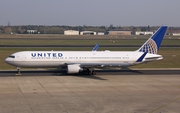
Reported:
(11, 56)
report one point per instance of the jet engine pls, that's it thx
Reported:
(74, 68)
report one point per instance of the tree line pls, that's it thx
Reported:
(60, 29)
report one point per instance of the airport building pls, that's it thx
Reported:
(88, 33)
(173, 32)
(144, 33)
(71, 32)
(100, 33)
(176, 34)
(32, 31)
(119, 32)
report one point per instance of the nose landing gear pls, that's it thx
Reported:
(18, 71)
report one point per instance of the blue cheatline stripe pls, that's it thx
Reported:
(96, 47)
(142, 57)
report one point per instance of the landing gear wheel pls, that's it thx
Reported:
(18, 71)
(91, 72)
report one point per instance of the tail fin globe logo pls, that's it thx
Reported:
(149, 47)
(152, 45)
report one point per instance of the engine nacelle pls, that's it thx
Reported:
(74, 68)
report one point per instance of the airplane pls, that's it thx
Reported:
(86, 61)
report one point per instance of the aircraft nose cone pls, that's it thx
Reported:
(7, 60)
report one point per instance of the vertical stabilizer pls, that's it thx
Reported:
(153, 43)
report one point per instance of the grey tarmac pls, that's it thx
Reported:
(123, 93)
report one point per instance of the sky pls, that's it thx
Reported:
(90, 12)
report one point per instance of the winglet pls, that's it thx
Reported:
(141, 57)
(96, 47)
(153, 43)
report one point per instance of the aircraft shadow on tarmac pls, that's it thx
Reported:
(99, 73)
(82, 75)
(58, 72)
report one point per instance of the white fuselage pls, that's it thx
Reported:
(82, 58)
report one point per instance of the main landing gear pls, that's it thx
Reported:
(18, 71)
(91, 72)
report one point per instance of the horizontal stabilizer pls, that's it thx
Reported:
(142, 57)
